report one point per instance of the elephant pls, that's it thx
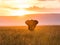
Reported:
(31, 24)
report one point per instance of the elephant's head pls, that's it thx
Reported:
(31, 24)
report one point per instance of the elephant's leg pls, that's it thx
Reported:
(29, 27)
(32, 27)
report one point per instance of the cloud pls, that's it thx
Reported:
(7, 6)
(48, 4)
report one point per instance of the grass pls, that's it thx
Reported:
(20, 35)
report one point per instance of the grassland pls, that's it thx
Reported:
(20, 35)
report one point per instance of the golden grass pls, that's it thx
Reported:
(20, 35)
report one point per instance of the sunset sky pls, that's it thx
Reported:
(13, 12)
(14, 7)
(43, 19)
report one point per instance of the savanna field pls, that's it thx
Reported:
(20, 35)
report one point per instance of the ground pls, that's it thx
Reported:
(20, 35)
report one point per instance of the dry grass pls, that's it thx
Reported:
(20, 35)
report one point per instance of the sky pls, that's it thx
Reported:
(16, 12)
(43, 19)
(14, 7)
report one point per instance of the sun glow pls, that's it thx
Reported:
(20, 12)
(23, 7)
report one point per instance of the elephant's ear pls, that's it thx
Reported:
(36, 22)
(27, 22)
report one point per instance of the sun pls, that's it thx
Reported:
(20, 12)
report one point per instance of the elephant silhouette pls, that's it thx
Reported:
(31, 24)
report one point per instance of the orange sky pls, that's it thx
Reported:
(14, 7)
(12, 12)
(44, 19)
